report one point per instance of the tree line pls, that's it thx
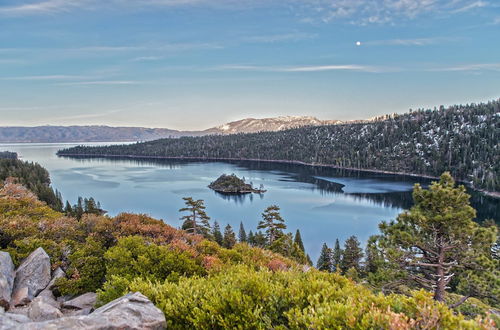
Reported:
(461, 139)
(273, 236)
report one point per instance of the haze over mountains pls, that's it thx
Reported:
(49, 134)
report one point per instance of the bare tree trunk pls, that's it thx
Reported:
(439, 291)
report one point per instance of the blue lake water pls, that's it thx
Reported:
(323, 203)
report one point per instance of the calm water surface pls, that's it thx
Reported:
(324, 204)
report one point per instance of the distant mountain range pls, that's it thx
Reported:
(54, 134)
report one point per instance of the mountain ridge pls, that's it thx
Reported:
(105, 133)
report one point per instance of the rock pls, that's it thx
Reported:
(47, 297)
(58, 273)
(20, 297)
(40, 310)
(33, 273)
(19, 311)
(132, 311)
(12, 321)
(86, 300)
(76, 312)
(6, 279)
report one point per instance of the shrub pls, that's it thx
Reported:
(241, 297)
(134, 257)
(86, 271)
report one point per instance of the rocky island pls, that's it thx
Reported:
(231, 184)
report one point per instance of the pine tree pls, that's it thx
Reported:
(325, 259)
(260, 239)
(437, 240)
(298, 240)
(250, 238)
(336, 256)
(242, 235)
(352, 254)
(216, 233)
(229, 237)
(196, 221)
(68, 210)
(272, 222)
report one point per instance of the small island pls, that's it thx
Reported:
(231, 184)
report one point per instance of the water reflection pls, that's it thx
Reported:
(386, 190)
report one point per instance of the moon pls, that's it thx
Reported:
(358, 43)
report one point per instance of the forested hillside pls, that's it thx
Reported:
(461, 139)
(34, 177)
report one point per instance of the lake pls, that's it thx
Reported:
(323, 203)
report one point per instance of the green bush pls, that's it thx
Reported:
(86, 271)
(134, 256)
(243, 298)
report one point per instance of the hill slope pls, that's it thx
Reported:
(461, 139)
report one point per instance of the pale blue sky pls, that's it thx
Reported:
(192, 64)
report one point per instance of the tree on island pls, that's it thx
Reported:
(196, 221)
(229, 237)
(437, 241)
(273, 223)
(216, 234)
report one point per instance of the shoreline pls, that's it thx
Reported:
(493, 194)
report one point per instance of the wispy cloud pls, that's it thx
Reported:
(304, 68)
(43, 7)
(352, 11)
(470, 6)
(472, 67)
(99, 82)
(273, 38)
(147, 58)
(408, 42)
(45, 77)
(365, 12)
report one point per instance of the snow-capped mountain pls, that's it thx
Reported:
(252, 125)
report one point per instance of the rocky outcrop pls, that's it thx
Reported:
(32, 304)
(6, 279)
(132, 311)
(33, 274)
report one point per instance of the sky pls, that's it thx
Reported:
(194, 64)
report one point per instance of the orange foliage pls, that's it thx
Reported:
(277, 265)
(211, 263)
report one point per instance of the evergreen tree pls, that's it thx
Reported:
(68, 210)
(229, 237)
(196, 221)
(352, 254)
(286, 246)
(374, 259)
(79, 210)
(242, 235)
(437, 240)
(325, 259)
(273, 223)
(216, 233)
(260, 239)
(250, 238)
(298, 240)
(336, 256)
